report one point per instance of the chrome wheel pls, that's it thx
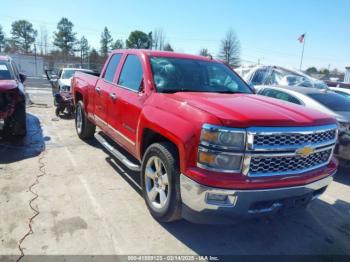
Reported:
(79, 119)
(156, 183)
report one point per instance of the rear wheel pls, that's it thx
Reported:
(85, 129)
(161, 182)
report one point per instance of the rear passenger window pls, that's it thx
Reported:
(112, 67)
(131, 75)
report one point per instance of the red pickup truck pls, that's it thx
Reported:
(208, 149)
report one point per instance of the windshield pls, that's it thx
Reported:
(189, 75)
(68, 74)
(332, 101)
(5, 72)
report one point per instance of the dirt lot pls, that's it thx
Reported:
(89, 203)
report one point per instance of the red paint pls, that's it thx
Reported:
(180, 116)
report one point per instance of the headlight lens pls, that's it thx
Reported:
(221, 137)
(215, 142)
(220, 161)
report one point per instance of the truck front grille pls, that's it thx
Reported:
(273, 151)
(281, 165)
(294, 139)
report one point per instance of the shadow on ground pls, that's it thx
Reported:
(343, 175)
(16, 149)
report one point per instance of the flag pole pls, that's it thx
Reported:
(302, 53)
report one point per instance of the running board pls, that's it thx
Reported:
(122, 158)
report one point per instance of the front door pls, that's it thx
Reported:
(129, 100)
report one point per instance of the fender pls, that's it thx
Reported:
(167, 125)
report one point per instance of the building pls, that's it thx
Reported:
(29, 65)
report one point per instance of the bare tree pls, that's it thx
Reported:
(230, 50)
(158, 39)
(204, 52)
(43, 40)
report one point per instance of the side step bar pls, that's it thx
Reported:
(122, 158)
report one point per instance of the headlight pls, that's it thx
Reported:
(221, 149)
(218, 161)
(220, 137)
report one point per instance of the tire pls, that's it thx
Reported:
(85, 129)
(169, 210)
(18, 122)
(57, 111)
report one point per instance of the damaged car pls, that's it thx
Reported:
(323, 100)
(12, 99)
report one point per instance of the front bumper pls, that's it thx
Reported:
(201, 205)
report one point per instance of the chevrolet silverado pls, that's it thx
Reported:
(206, 147)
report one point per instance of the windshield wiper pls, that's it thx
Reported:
(177, 90)
(230, 92)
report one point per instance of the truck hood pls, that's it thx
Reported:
(6, 85)
(245, 110)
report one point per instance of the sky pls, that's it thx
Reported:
(268, 30)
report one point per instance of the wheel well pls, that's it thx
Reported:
(78, 97)
(150, 137)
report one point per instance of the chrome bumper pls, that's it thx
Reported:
(198, 199)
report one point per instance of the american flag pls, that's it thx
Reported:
(301, 38)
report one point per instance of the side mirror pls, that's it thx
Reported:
(22, 77)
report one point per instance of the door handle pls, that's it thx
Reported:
(97, 89)
(113, 96)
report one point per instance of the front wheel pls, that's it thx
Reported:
(161, 182)
(85, 129)
(18, 122)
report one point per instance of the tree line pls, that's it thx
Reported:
(24, 39)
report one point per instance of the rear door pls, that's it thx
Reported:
(102, 92)
(129, 97)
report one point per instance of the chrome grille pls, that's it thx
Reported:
(279, 165)
(294, 139)
(274, 151)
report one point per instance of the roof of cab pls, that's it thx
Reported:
(148, 52)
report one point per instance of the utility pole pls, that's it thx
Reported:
(35, 58)
(302, 54)
(81, 58)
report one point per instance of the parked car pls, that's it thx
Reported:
(207, 148)
(61, 89)
(341, 91)
(12, 99)
(325, 101)
(279, 76)
(62, 80)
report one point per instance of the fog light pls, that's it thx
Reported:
(216, 197)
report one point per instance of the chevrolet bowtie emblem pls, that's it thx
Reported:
(305, 151)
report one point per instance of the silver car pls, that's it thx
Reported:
(323, 100)
(278, 76)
